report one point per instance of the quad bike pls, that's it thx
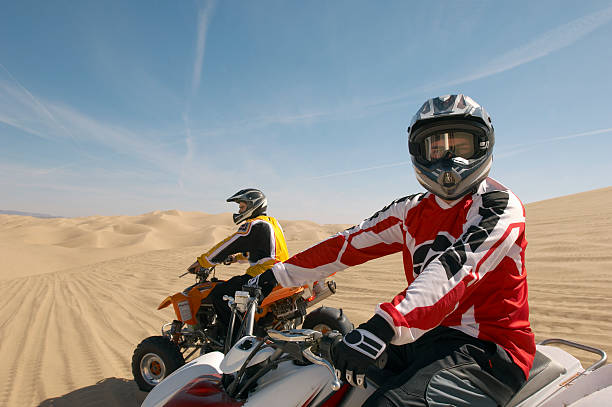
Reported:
(294, 368)
(197, 328)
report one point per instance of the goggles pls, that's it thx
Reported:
(449, 144)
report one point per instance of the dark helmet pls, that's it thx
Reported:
(255, 200)
(451, 142)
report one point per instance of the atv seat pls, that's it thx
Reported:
(543, 372)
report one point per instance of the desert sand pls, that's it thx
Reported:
(78, 294)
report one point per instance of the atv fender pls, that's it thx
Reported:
(203, 365)
(165, 303)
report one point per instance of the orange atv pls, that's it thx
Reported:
(197, 326)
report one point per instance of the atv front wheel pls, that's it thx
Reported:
(153, 360)
(325, 319)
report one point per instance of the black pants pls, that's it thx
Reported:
(228, 288)
(446, 367)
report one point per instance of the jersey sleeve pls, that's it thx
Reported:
(239, 242)
(377, 236)
(494, 222)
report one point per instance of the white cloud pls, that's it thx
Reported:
(539, 47)
(23, 110)
(22, 95)
(187, 158)
(545, 44)
(204, 15)
(87, 172)
(517, 149)
(358, 170)
(504, 153)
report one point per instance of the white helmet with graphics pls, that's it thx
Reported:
(451, 140)
(255, 200)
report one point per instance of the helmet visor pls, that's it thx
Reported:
(458, 143)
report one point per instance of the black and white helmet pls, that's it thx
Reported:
(255, 200)
(450, 140)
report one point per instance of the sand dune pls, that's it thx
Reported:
(79, 294)
(31, 245)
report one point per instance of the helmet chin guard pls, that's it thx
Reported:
(451, 140)
(256, 204)
(448, 183)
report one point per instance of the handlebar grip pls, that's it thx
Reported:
(382, 360)
(329, 342)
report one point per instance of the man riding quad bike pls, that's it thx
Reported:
(259, 239)
(207, 321)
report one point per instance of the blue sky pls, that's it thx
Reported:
(111, 108)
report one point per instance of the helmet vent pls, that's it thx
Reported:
(448, 179)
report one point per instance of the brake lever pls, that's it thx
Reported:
(322, 362)
(295, 335)
(294, 340)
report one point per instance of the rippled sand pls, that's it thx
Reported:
(79, 294)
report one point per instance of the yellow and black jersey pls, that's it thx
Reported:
(262, 238)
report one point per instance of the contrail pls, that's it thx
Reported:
(362, 170)
(539, 47)
(512, 151)
(37, 103)
(203, 19)
(204, 15)
(549, 42)
(75, 143)
(529, 146)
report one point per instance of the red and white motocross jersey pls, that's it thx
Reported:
(464, 263)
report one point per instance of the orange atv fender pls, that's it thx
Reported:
(186, 306)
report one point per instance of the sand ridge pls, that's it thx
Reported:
(30, 246)
(79, 294)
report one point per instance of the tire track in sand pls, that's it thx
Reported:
(68, 331)
(14, 313)
(26, 344)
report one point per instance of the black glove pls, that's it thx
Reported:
(194, 268)
(266, 281)
(361, 348)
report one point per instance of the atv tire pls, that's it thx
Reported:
(153, 360)
(327, 319)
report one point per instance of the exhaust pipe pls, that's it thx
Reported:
(322, 291)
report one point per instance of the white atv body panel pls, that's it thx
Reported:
(238, 354)
(357, 396)
(593, 388)
(572, 368)
(202, 365)
(291, 385)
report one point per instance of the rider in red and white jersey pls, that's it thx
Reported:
(459, 333)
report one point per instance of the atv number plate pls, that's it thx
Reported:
(185, 311)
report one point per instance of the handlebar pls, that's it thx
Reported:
(315, 347)
(309, 339)
(254, 292)
(201, 273)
